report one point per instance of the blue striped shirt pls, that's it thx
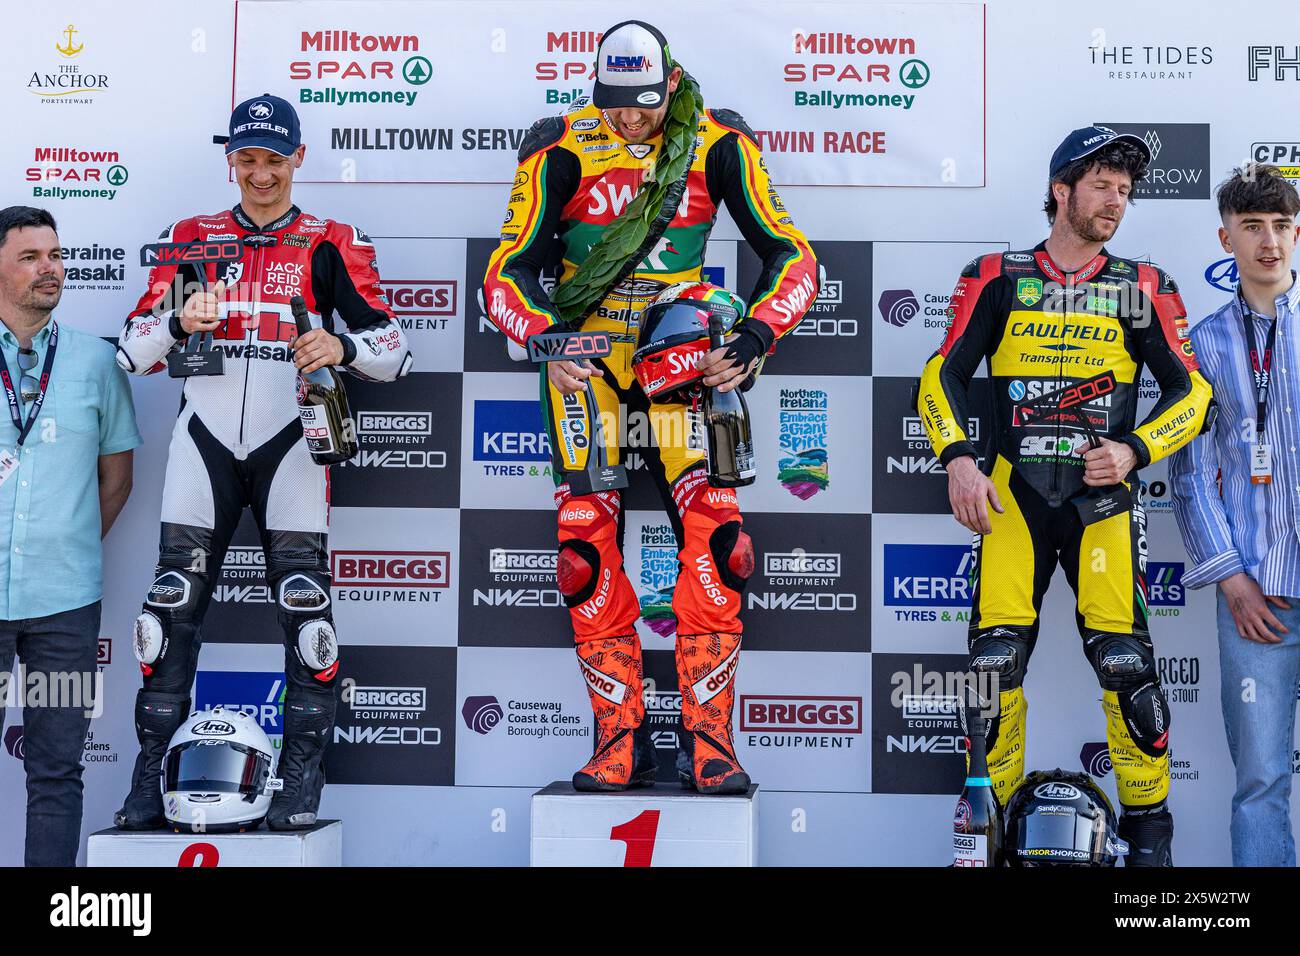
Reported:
(1251, 528)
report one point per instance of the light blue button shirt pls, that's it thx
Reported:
(1228, 523)
(50, 554)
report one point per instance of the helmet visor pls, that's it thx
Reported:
(666, 323)
(1060, 837)
(215, 766)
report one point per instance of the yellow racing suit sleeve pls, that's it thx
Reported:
(787, 281)
(545, 180)
(979, 307)
(1165, 346)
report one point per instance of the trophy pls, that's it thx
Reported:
(197, 357)
(580, 347)
(1094, 504)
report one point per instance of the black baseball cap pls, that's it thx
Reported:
(1086, 141)
(264, 122)
(632, 67)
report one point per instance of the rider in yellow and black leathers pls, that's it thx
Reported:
(576, 174)
(1042, 330)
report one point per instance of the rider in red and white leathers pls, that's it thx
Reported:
(238, 442)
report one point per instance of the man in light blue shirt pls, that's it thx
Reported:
(1236, 495)
(66, 433)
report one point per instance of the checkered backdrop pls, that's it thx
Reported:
(903, 151)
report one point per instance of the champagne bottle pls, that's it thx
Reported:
(726, 425)
(323, 405)
(977, 822)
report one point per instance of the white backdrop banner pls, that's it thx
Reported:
(444, 529)
(867, 95)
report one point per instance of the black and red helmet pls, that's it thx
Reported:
(674, 334)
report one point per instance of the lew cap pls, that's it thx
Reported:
(632, 67)
(264, 122)
(1086, 141)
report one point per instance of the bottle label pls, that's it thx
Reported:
(970, 849)
(745, 465)
(316, 428)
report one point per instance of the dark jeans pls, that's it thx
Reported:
(52, 735)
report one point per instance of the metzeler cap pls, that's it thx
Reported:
(632, 67)
(264, 122)
(1086, 141)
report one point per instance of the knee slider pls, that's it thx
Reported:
(1146, 715)
(733, 551)
(1125, 665)
(148, 640)
(577, 571)
(318, 649)
(1003, 651)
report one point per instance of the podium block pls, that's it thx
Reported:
(322, 845)
(662, 825)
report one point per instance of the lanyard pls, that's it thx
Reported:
(11, 394)
(1260, 364)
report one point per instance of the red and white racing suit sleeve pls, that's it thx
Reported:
(153, 328)
(345, 281)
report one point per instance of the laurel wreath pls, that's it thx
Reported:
(591, 282)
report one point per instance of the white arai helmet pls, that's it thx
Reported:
(218, 775)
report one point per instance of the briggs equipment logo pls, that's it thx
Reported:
(390, 700)
(526, 566)
(395, 423)
(422, 305)
(386, 438)
(815, 715)
(417, 577)
(243, 577)
(811, 573)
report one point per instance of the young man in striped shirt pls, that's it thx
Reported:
(1236, 495)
